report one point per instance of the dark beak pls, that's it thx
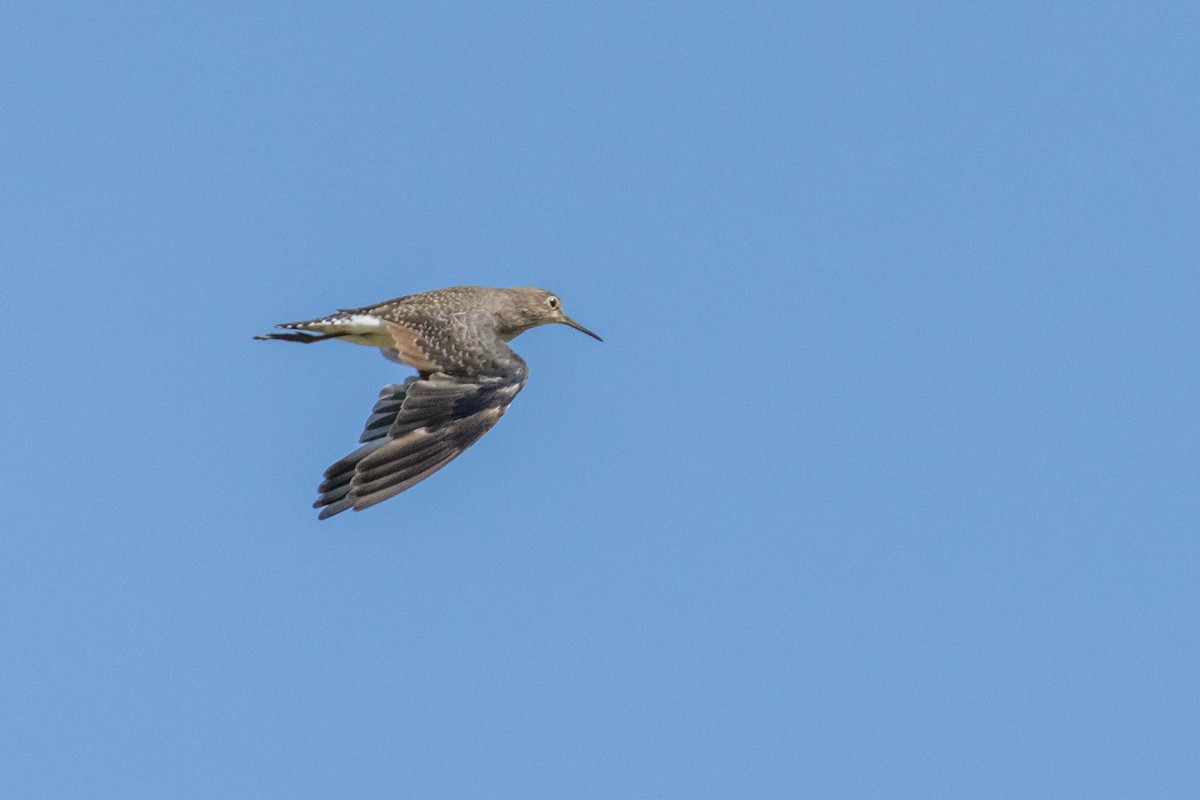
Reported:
(568, 321)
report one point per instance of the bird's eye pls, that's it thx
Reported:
(552, 301)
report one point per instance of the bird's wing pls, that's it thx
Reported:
(459, 343)
(415, 429)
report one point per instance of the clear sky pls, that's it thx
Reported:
(883, 483)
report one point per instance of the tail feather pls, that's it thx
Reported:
(355, 328)
(303, 338)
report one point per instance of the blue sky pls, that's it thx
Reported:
(882, 484)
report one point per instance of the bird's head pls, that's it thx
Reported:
(533, 307)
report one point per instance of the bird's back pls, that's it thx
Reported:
(439, 302)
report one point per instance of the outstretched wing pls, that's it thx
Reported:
(415, 429)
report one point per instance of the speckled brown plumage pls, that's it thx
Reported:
(457, 339)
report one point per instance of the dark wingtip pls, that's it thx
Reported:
(332, 508)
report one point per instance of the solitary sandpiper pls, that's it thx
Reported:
(457, 339)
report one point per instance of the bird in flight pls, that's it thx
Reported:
(457, 339)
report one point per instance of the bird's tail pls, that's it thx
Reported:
(359, 328)
(303, 338)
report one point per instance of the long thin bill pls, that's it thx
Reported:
(568, 321)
